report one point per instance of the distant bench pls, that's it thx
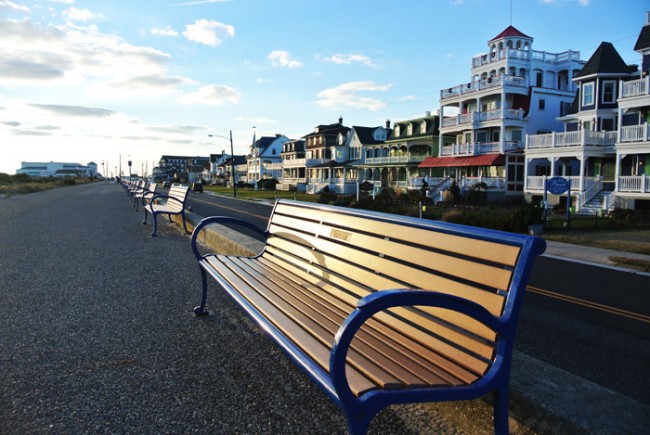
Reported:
(172, 203)
(341, 291)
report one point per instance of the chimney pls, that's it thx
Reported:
(428, 113)
(340, 120)
(388, 124)
(647, 18)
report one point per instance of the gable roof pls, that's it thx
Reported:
(510, 31)
(605, 60)
(366, 135)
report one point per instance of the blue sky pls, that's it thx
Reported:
(89, 80)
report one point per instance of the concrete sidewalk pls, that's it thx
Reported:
(97, 336)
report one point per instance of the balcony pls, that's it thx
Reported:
(635, 88)
(634, 183)
(476, 118)
(400, 159)
(485, 84)
(569, 139)
(294, 163)
(470, 149)
(635, 133)
(515, 54)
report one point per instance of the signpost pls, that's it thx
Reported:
(557, 186)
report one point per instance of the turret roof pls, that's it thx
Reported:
(509, 32)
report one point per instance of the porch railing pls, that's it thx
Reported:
(478, 148)
(482, 116)
(634, 183)
(634, 88)
(635, 133)
(478, 85)
(579, 138)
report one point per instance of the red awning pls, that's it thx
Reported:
(481, 160)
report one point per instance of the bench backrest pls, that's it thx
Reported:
(359, 252)
(179, 192)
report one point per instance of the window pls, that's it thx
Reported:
(588, 94)
(609, 92)
(542, 104)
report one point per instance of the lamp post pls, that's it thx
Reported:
(232, 161)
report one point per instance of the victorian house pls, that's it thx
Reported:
(605, 145)
(633, 146)
(327, 157)
(514, 90)
(585, 151)
(392, 157)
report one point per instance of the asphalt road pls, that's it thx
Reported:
(590, 321)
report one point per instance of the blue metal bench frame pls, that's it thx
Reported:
(359, 411)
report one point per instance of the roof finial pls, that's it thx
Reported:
(511, 12)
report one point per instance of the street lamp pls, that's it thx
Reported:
(232, 161)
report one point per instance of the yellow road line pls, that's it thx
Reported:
(228, 208)
(590, 304)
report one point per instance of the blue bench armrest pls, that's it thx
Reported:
(385, 299)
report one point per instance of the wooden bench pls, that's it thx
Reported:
(143, 195)
(172, 203)
(380, 309)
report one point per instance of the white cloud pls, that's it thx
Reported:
(167, 31)
(74, 14)
(212, 95)
(348, 95)
(34, 54)
(281, 58)
(208, 32)
(7, 5)
(347, 59)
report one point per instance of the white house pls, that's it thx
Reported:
(264, 160)
(514, 90)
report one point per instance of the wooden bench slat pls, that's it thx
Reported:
(299, 315)
(331, 285)
(371, 343)
(416, 279)
(454, 268)
(485, 250)
(497, 277)
(312, 347)
(415, 357)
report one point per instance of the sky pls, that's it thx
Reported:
(114, 80)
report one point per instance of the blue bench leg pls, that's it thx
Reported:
(200, 309)
(184, 225)
(501, 412)
(155, 225)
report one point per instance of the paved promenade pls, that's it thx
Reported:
(97, 335)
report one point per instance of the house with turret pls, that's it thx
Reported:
(513, 90)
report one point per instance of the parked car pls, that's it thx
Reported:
(197, 186)
(167, 184)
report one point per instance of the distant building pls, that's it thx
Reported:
(57, 169)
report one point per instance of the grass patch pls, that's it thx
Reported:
(245, 192)
(632, 263)
(630, 240)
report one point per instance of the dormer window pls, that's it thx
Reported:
(423, 127)
(380, 134)
(409, 130)
(397, 131)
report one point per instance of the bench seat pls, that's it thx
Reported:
(383, 309)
